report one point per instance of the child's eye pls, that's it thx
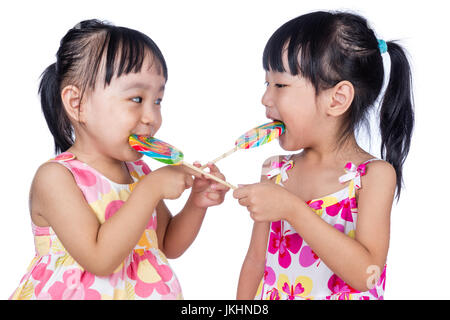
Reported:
(158, 101)
(137, 99)
(278, 85)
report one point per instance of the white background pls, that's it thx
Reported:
(213, 50)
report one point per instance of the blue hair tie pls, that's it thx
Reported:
(382, 45)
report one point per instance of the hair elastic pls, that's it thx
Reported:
(382, 45)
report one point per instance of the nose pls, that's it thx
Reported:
(148, 114)
(266, 99)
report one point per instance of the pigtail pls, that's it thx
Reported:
(396, 113)
(52, 107)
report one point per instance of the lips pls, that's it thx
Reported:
(275, 119)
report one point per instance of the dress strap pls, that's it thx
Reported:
(354, 173)
(65, 156)
(280, 169)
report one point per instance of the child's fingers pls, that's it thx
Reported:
(213, 196)
(188, 182)
(204, 177)
(217, 173)
(244, 202)
(218, 187)
(240, 192)
(212, 167)
(191, 172)
(197, 164)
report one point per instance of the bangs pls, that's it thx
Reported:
(130, 48)
(299, 40)
(121, 51)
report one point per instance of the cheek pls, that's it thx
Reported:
(301, 125)
(157, 122)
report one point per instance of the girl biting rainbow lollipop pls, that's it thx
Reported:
(322, 215)
(100, 225)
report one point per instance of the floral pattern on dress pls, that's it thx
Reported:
(293, 270)
(54, 275)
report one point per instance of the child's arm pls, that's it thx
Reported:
(361, 260)
(176, 233)
(252, 270)
(100, 248)
(354, 260)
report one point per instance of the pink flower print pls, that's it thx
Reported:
(90, 181)
(345, 207)
(282, 243)
(84, 177)
(149, 275)
(41, 274)
(381, 282)
(274, 295)
(292, 291)
(112, 207)
(145, 169)
(269, 276)
(75, 286)
(340, 227)
(307, 257)
(176, 290)
(339, 288)
(315, 205)
(152, 223)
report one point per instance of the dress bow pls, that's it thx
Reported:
(280, 168)
(353, 173)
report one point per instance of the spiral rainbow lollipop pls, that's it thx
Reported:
(166, 153)
(156, 149)
(256, 137)
(260, 135)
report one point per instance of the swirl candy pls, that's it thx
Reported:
(164, 152)
(256, 137)
(156, 149)
(260, 135)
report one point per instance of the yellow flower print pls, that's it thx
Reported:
(100, 206)
(67, 260)
(301, 287)
(317, 205)
(42, 244)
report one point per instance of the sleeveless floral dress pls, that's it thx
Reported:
(54, 275)
(293, 270)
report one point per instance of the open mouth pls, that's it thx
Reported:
(278, 120)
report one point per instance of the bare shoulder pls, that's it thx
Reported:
(381, 170)
(50, 174)
(50, 182)
(380, 177)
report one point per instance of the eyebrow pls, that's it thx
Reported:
(141, 85)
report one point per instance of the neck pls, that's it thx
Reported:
(329, 151)
(113, 169)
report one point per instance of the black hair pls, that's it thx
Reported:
(91, 46)
(329, 47)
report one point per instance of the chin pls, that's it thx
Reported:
(132, 155)
(288, 145)
(137, 156)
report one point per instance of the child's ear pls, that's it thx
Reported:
(341, 98)
(71, 98)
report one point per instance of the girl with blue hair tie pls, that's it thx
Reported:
(322, 215)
